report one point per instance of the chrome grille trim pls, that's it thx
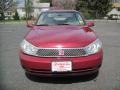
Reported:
(68, 52)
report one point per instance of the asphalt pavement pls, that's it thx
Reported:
(12, 76)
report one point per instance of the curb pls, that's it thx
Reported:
(21, 22)
(105, 21)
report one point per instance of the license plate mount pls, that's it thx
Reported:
(61, 66)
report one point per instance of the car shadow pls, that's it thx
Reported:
(62, 80)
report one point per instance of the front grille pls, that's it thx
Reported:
(68, 52)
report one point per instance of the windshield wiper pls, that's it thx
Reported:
(42, 25)
(64, 24)
(51, 24)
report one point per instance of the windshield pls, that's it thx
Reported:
(60, 18)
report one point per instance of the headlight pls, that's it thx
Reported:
(94, 47)
(28, 48)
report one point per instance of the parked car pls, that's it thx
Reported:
(60, 43)
(114, 17)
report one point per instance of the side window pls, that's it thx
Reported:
(80, 19)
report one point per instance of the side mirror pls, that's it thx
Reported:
(90, 24)
(29, 24)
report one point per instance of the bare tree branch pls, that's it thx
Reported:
(5, 5)
(66, 4)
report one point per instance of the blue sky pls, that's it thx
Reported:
(20, 2)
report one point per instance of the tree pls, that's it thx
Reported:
(82, 6)
(16, 16)
(64, 4)
(51, 3)
(28, 8)
(44, 1)
(96, 8)
(2, 16)
(100, 7)
(5, 5)
(67, 4)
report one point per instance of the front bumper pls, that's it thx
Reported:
(80, 65)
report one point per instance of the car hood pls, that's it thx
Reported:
(65, 36)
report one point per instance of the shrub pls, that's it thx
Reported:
(16, 16)
(2, 16)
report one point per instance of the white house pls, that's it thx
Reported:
(116, 9)
(36, 9)
(115, 12)
(21, 10)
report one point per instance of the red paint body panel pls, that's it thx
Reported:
(45, 63)
(42, 66)
(66, 36)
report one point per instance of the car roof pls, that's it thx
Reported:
(60, 11)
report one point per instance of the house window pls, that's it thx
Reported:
(23, 10)
(32, 10)
(9, 13)
(118, 9)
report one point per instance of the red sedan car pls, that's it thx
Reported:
(60, 43)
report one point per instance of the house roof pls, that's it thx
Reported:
(60, 10)
(35, 5)
(116, 4)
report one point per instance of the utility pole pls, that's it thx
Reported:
(26, 16)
